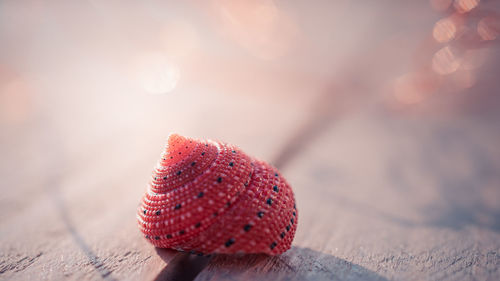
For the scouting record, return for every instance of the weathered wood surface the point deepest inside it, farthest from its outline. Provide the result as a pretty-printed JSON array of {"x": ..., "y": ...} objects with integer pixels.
[
  {"x": 378, "y": 198},
  {"x": 382, "y": 194},
  {"x": 417, "y": 202}
]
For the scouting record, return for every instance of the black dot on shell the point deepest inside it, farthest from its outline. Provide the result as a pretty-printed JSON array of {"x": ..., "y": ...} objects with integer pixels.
[
  {"x": 155, "y": 178},
  {"x": 206, "y": 144},
  {"x": 269, "y": 201},
  {"x": 292, "y": 221},
  {"x": 198, "y": 224},
  {"x": 144, "y": 211},
  {"x": 169, "y": 236},
  {"x": 275, "y": 188},
  {"x": 201, "y": 194},
  {"x": 147, "y": 236},
  {"x": 260, "y": 214},
  {"x": 288, "y": 228},
  {"x": 179, "y": 172},
  {"x": 219, "y": 179},
  {"x": 182, "y": 232},
  {"x": 229, "y": 242},
  {"x": 203, "y": 153},
  {"x": 234, "y": 151},
  {"x": 275, "y": 174},
  {"x": 228, "y": 204},
  {"x": 157, "y": 237},
  {"x": 273, "y": 245},
  {"x": 200, "y": 254},
  {"x": 231, "y": 164},
  {"x": 282, "y": 235},
  {"x": 294, "y": 214},
  {"x": 215, "y": 214},
  {"x": 178, "y": 206},
  {"x": 171, "y": 157},
  {"x": 247, "y": 227},
  {"x": 164, "y": 178},
  {"x": 158, "y": 212}
]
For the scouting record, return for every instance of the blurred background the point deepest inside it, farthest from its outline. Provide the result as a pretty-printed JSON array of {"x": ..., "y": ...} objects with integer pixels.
[{"x": 391, "y": 107}]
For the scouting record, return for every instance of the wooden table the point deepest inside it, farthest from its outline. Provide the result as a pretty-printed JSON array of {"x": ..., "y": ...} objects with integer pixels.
[{"x": 379, "y": 197}]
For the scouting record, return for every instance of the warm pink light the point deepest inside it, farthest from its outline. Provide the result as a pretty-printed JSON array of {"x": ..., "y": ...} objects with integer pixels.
[
  {"x": 413, "y": 88},
  {"x": 155, "y": 73},
  {"x": 488, "y": 28},
  {"x": 15, "y": 101},
  {"x": 180, "y": 39},
  {"x": 445, "y": 61},
  {"x": 464, "y": 6},
  {"x": 259, "y": 26},
  {"x": 473, "y": 59},
  {"x": 464, "y": 79},
  {"x": 444, "y": 30}
]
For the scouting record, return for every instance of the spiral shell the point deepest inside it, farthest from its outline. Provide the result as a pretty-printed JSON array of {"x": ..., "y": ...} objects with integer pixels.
[{"x": 210, "y": 197}]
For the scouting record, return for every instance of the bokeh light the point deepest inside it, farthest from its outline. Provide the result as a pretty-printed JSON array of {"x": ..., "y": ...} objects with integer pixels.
[
  {"x": 259, "y": 26},
  {"x": 464, "y": 6},
  {"x": 488, "y": 28},
  {"x": 445, "y": 61},
  {"x": 444, "y": 30},
  {"x": 155, "y": 73},
  {"x": 464, "y": 32}
]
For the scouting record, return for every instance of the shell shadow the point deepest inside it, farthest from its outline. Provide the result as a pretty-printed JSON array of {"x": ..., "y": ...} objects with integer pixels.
[
  {"x": 182, "y": 267},
  {"x": 296, "y": 264}
]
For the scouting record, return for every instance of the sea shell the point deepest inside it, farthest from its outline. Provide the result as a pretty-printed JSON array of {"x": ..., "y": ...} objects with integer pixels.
[{"x": 210, "y": 197}]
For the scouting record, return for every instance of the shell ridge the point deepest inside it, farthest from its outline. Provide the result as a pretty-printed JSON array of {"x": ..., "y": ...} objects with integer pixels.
[
  {"x": 187, "y": 185},
  {"x": 238, "y": 199},
  {"x": 221, "y": 148},
  {"x": 242, "y": 198},
  {"x": 238, "y": 236},
  {"x": 161, "y": 186},
  {"x": 222, "y": 210}
]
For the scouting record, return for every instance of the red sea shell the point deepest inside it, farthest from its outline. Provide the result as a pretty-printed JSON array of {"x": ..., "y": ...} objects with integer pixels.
[{"x": 210, "y": 197}]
